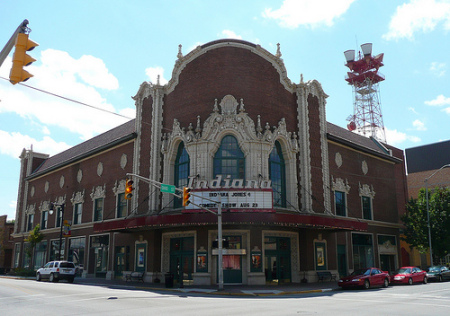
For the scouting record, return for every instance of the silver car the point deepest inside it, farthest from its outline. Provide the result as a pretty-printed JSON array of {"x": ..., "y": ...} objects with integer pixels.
[{"x": 57, "y": 270}]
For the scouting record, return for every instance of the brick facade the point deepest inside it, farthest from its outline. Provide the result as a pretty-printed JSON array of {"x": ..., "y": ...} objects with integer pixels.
[{"x": 223, "y": 88}]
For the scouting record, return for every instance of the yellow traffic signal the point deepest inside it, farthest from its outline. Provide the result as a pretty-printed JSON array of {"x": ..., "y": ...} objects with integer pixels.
[
  {"x": 129, "y": 189},
  {"x": 186, "y": 196},
  {"x": 21, "y": 59}
]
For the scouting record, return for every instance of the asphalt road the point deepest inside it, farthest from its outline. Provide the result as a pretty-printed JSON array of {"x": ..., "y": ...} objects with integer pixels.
[{"x": 28, "y": 297}]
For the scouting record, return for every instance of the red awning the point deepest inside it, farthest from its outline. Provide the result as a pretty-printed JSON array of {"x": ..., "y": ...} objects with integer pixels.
[{"x": 250, "y": 218}]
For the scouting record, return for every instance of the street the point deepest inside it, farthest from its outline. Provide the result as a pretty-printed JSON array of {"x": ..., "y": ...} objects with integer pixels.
[{"x": 28, "y": 297}]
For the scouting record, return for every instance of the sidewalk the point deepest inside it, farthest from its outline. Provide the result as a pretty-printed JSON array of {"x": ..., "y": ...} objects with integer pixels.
[{"x": 229, "y": 290}]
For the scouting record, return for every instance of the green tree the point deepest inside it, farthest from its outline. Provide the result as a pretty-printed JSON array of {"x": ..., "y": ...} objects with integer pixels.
[
  {"x": 35, "y": 237},
  {"x": 416, "y": 223}
]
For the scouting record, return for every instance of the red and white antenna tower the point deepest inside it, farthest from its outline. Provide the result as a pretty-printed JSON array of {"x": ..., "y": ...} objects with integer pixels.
[{"x": 364, "y": 77}]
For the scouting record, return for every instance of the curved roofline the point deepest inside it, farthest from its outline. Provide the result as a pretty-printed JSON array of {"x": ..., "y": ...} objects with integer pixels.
[{"x": 275, "y": 60}]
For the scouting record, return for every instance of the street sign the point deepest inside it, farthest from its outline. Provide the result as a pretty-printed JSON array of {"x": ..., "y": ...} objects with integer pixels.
[{"x": 167, "y": 188}]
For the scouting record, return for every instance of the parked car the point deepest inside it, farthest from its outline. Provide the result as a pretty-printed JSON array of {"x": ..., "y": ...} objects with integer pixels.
[
  {"x": 409, "y": 275},
  {"x": 57, "y": 270},
  {"x": 438, "y": 273},
  {"x": 365, "y": 278}
]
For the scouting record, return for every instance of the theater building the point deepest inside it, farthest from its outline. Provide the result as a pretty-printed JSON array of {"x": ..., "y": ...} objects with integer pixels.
[{"x": 298, "y": 194}]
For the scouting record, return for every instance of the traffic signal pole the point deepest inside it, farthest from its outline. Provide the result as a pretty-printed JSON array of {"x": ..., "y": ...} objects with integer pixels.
[
  {"x": 22, "y": 28},
  {"x": 219, "y": 220}
]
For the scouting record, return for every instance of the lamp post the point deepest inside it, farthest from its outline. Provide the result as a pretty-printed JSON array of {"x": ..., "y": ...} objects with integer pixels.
[
  {"x": 428, "y": 211},
  {"x": 61, "y": 207}
]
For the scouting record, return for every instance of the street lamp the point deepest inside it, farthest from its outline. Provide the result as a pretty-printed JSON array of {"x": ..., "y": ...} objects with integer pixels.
[
  {"x": 428, "y": 211},
  {"x": 61, "y": 207}
]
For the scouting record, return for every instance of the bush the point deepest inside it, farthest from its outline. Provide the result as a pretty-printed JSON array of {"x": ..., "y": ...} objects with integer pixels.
[{"x": 25, "y": 272}]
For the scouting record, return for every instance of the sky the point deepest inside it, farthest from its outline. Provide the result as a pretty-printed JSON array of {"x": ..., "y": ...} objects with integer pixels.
[{"x": 94, "y": 54}]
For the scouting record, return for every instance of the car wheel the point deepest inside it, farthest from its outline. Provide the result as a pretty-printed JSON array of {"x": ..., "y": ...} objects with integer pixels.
[
  {"x": 425, "y": 280},
  {"x": 52, "y": 278},
  {"x": 386, "y": 283},
  {"x": 410, "y": 281},
  {"x": 366, "y": 284},
  {"x": 38, "y": 277}
]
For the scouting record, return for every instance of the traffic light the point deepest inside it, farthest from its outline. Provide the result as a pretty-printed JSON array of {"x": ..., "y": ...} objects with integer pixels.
[
  {"x": 21, "y": 59},
  {"x": 186, "y": 196},
  {"x": 129, "y": 189}
]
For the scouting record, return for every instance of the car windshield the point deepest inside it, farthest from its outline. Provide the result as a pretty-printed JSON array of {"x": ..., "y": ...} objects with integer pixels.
[
  {"x": 434, "y": 269},
  {"x": 404, "y": 270},
  {"x": 361, "y": 272},
  {"x": 66, "y": 265}
]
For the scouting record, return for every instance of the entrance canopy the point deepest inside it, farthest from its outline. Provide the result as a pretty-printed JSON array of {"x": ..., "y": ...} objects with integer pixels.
[{"x": 258, "y": 219}]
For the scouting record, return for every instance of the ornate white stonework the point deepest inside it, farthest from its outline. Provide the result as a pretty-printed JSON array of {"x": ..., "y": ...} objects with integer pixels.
[
  {"x": 32, "y": 190},
  {"x": 100, "y": 169},
  {"x": 364, "y": 167},
  {"x": 229, "y": 118},
  {"x": 31, "y": 209},
  {"x": 44, "y": 206},
  {"x": 61, "y": 182},
  {"x": 79, "y": 175},
  {"x": 98, "y": 192},
  {"x": 123, "y": 161},
  {"x": 119, "y": 187},
  {"x": 46, "y": 186},
  {"x": 365, "y": 190},
  {"x": 339, "y": 185},
  {"x": 77, "y": 197},
  {"x": 338, "y": 159}
]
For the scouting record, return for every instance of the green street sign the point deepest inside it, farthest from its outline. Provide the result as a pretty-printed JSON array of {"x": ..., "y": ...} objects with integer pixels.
[{"x": 167, "y": 188}]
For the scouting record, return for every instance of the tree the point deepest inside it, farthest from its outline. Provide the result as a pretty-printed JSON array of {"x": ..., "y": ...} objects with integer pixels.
[
  {"x": 416, "y": 223},
  {"x": 35, "y": 237}
]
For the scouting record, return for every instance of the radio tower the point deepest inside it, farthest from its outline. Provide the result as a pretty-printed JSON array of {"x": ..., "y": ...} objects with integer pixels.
[{"x": 364, "y": 77}]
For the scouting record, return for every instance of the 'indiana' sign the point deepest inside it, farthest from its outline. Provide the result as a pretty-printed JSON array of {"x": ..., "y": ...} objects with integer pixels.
[{"x": 227, "y": 183}]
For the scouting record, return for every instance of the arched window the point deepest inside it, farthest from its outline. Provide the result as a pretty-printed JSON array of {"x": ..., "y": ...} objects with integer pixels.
[
  {"x": 229, "y": 159},
  {"x": 277, "y": 173},
  {"x": 181, "y": 171}
]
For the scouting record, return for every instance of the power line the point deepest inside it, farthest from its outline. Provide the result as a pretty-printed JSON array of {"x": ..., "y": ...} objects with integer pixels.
[{"x": 69, "y": 99}]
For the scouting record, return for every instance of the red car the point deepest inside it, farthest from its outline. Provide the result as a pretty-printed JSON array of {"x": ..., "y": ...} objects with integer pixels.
[
  {"x": 365, "y": 278},
  {"x": 410, "y": 275}
]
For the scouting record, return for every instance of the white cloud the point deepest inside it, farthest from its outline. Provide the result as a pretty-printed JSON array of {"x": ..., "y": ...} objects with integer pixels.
[
  {"x": 293, "y": 13},
  {"x": 394, "y": 137},
  {"x": 154, "y": 72},
  {"x": 418, "y": 16},
  {"x": 439, "y": 101},
  {"x": 12, "y": 144},
  {"x": 62, "y": 75},
  {"x": 230, "y": 34},
  {"x": 419, "y": 125},
  {"x": 438, "y": 69}
]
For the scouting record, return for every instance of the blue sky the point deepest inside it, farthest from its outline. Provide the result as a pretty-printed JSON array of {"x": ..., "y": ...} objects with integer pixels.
[{"x": 99, "y": 52}]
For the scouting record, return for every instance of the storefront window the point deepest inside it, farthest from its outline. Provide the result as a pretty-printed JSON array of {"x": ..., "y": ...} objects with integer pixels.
[
  {"x": 362, "y": 251},
  {"x": 76, "y": 251},
  {"x": 54, "y": 249},
  {"x": 16, "y": 255},
  {"x": 40, "y": 254}
]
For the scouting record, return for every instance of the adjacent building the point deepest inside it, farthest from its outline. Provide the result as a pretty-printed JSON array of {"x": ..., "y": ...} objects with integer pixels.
[
  {"x": 6, "y": 244},
  {"x": 298, "y": 194},
  {"x": 425, "y": 162}
]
